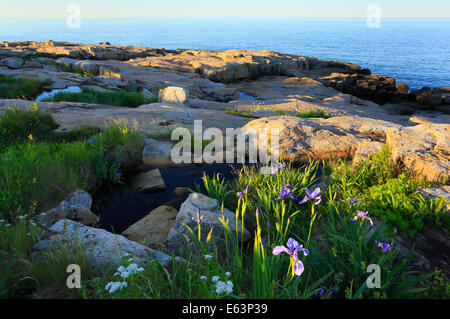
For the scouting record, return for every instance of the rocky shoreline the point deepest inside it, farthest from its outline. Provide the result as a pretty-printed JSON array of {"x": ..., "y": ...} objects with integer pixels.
[
  {"x": 220, "y": 67},
  {"x": 207, "y": 85}
]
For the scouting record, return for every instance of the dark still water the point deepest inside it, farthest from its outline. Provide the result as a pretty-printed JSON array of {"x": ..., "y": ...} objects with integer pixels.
[
  {"x": 121, "y": 207},
  {"x": 415, "y": 51}
]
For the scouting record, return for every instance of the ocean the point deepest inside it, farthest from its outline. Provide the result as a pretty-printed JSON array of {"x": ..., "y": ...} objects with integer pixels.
[{"x": 415, "y": 51}]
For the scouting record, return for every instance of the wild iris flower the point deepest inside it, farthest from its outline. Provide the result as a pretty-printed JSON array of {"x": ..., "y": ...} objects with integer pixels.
[
  {"x": 292, "y": 248},
  {"x": 199, "y": 218},
  {"x": 363, "y": 216},
  {"x": 314, "y": 196},
  {"x": 278, "y": 169},
  {"x": 352, "y": 200},
  {"x": 320, "y": 292},
  {"x": 285, "y": 192},
  {"x": 385, "y": 247},
  {"x": 263, "y": 242},
  {"x": 91, "y": 140},
  {"x": 242, "y": 194}
]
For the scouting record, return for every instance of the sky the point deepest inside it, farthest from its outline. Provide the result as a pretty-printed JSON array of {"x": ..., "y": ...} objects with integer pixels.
[{"x": 224, "y": 8}]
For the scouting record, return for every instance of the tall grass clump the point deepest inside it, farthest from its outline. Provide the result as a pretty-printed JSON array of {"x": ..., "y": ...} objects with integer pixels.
[
  {"x": 116, "y": 98},
  {"x": 21, "y": 88}
]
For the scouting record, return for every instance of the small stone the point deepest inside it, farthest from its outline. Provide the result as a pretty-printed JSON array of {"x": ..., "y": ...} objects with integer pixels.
[
  {"x": 148, "y": 182},
  {"x": 174, "y": 95}
]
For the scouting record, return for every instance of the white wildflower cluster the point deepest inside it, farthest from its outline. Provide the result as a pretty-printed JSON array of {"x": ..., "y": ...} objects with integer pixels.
[
  {"x": 113, "y": 286},
  {"x": 221, "y": 287},
  {"x": 215, "y": 278},
  {"x": 125, "y": 272},
  {"x": 224, "y": 287},
  {"x": 208, "y": 257}
]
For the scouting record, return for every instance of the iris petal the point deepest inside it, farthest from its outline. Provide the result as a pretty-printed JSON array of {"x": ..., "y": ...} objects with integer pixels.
[
  {"x": 316, "y": 192},
  {"x": 280, "y": 249},
  {"x": 298, "y": 267}
]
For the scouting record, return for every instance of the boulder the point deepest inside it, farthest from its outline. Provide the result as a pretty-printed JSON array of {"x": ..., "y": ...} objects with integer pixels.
[
  {"x": 76, "y": 207},
  {"x": 174, "y": 95},
  {"x": 157, "y": 153},
  {"x": 179, "y": 236},
  {"x": 103, "y": 250},
  {"x": 32, "y": 65},
  {"x": 149, "y": 181},
  {"x": 46, "y": 61},
  {"x": 153, "y": 229},
  {"x": 86, "y": 67},
  {"x": 423, "y": 149},
  {"x": 301, "y": 139},
  {"x": 147, "y": 94},
  {"x": 80, "y": 198},
  {"x": 12, "y": 62},
  {"x": 209, "y": 90}
]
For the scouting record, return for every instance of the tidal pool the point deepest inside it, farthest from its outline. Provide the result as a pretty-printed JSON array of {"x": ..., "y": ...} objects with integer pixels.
[{"x": 46, "y": 95}]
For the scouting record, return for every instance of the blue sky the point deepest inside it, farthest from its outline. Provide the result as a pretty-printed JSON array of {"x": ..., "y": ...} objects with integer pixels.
[{"x": 225, "y": 8}]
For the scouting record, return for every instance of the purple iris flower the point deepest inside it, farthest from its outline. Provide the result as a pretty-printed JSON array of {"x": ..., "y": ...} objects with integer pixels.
[
  {"x": 285, "y": 193},
  {"x": 385, "y": 247},
  {"x": 199, "y": 218},
  {"x": 242, "y": 194},
  {"x": 263, "y": 242},
  {"x": 320, "y": 292},
  {"x": 352, "y": 200},
  {"x": 118, "y": 175},
  {"x": 314, "y": 196},
  {"x": 90, "y": 140},
  {"x": 278, "y": 169},
  {"x": 292, "y": 249},
  {"x": 363, "y": 216}
]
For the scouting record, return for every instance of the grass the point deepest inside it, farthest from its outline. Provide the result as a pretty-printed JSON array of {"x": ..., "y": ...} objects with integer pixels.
[
  {"x": 248, "y": 114},
  {"x": 116, "y": 98},
  {"x": 313, "y": 113},
  {"x": 21, "y": 88},
  {"x": 18, "y": 126}
]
